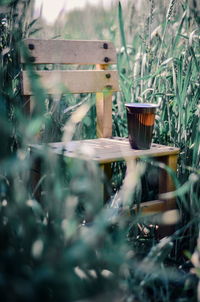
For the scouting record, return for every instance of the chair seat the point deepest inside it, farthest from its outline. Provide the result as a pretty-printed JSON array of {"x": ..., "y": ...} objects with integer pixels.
[{"x": 107, "y": 150}]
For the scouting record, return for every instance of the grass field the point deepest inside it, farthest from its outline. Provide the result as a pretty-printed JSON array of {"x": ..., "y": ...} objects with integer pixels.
[{"x": 46, "y": 251}]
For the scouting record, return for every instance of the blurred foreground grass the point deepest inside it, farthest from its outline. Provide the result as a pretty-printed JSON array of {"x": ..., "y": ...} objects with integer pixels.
[{"x": 47, "y": 251}]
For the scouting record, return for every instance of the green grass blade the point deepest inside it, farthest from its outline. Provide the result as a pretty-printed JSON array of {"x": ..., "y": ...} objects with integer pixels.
[{"x": 122, "y": 31}]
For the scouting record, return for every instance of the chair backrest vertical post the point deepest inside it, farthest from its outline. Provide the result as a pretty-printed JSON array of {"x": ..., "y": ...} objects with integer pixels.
[{"x": 104, "y": 109}]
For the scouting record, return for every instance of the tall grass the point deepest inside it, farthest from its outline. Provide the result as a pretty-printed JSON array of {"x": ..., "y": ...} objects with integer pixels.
[
  {"x": 48, "y": 250},
  {"x": 166, "y": 70}
]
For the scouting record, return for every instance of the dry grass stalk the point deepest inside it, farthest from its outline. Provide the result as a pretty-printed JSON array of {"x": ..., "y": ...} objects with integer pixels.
[{"x": 170, "y": 9}]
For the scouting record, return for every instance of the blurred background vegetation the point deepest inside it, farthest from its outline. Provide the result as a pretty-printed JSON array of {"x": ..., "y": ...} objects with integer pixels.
[{"x": 47, "y": 251}]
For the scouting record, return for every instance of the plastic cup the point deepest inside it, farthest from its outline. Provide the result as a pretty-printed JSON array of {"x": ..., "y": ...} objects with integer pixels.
[{"x": 141, "y": 117}]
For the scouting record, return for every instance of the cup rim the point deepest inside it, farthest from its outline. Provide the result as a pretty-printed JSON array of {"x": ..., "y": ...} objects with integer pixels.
[{"x": 142, "y": 105}]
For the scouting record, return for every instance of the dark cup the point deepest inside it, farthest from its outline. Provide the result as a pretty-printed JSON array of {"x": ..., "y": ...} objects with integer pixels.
[{"x": 141, "y": 117}]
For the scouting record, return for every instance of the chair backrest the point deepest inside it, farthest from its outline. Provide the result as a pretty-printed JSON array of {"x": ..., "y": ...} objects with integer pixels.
[{"x": 100, "y": 80}]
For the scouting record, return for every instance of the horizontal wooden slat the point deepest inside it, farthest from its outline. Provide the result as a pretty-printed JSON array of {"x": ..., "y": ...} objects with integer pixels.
[
  {"x": 153, "y": 206},
  {"x": 106, "y": 150},
  {"x": 71, "y": 51},
  {"x": 74, "y": 81},
  {"x": 150, "y": 207}
]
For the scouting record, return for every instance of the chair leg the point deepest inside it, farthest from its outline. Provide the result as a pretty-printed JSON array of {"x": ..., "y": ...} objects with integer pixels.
[
  {"x": 106, "y": 176},
  {"x": 166, "y": 184}
]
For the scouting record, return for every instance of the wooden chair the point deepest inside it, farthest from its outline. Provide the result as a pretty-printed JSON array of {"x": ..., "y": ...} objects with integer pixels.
[{"x": 102, "y": 81}]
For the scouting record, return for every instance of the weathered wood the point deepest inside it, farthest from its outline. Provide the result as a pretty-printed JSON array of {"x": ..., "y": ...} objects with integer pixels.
[
  {"x": 104, "y": 151},
  {"x": 104, "y": 115},
  {"x": 146, "y": 208},
  {"x": 104, "y": 108},
  {"x": 152, "y": 207},
  {"x": 102, "y": 82},
  {"x": 166, "y": 183},
  {"x": 73, "y": 81},
  {"x": 107, "y": 150},
  {"x": 71, "y": 51}
]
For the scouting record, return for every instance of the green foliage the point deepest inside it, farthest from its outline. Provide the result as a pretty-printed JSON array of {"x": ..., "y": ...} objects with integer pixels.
[{"x": 57, "y": 241}]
